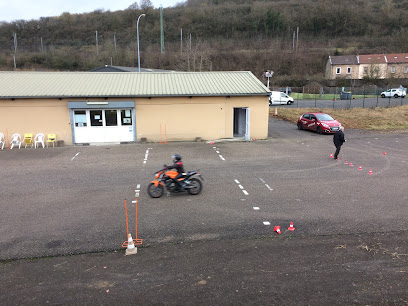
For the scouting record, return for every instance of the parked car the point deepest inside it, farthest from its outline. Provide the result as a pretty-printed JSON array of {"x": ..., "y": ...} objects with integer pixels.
[
  {"x": 286, "y": 90},
  {"x": 277, "y": 97},
  {"x": 319, "y": 122},
  {"x": 394, "y": 92}
]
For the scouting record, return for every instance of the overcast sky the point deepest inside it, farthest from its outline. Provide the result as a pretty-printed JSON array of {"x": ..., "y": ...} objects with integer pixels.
[{"x": 11, "y": 10}]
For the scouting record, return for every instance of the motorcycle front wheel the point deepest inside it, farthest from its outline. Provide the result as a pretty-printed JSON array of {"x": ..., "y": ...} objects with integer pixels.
[
  {"x": 196, "y": 186},
  {"x": 155, "y": 191}
]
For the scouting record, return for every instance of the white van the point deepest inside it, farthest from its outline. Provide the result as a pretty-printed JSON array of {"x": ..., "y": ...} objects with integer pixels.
[{"x": 277, "y": 97}]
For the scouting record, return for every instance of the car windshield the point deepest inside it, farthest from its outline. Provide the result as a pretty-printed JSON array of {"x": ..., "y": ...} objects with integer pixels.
[{"x": 324, "y": 117}]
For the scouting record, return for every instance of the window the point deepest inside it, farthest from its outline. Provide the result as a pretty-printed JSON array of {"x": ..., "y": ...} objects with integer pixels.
[
  {"x": 365, "y": 70},
  {"x": 126, "y": 116},
  {"x": 96, "y": 117},
  {"x": 393, "y": 69},
  {"x": 111, "y": 117},
  {"x": 338, "y": 70},
  {"x": 405, "y": 69},
  {"x": 80, "y": 118},
  {"x": 348, "y": 70}
]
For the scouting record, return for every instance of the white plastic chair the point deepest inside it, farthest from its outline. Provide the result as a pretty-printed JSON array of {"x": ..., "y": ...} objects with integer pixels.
[
  {"x": 15, "y": 140},
  {"x": 2, "y": 140},
  {"x": 39, "y": 139}
]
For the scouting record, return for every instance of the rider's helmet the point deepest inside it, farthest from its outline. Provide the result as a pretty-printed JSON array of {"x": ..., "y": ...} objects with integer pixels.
[{"x": 176, "y": 158}]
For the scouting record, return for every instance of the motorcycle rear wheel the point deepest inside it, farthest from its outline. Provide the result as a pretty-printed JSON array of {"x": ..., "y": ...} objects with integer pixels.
[
  {"x": 196, "y": 186},
  {"x": 155, "y": 191}
]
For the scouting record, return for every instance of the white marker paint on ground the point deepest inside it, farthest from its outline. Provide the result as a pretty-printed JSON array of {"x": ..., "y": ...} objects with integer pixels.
[
  {"x": 263, "y": 182},
  {"x": 236, "y": 181},
  {"x": 267, "y": 186},
  {"x": 267, "y": 223},
  {"x": 245, "y": 192},
  {"x": 255, "y": 208},
  {"x": 240, "y": 186},
  {"x": 218, "y": 152},
  {"x": 222, "y": 157},
  {"x": 75, "y": 156},
  {"x": 144, "y": 162}
]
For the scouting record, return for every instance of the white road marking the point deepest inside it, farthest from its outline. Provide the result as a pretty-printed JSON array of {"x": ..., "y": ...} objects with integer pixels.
[
  {"x": 222, "y": 157},
  {"x": 240, "y": 186},
  {"x": 214, "y": 148},
  {"x": 138, "y": 186},
  {"x": 255, "y": 208},
  {"x": 245, "y": 192},
  {"x": 268, "y": 187},
  {"x": 263, "y": 182},
  {"x": 75, "y": 156},
  {"x": 267, "y": 223},
  {"x": 236, "y": 181},
  {"x": 218, "y": 152}
]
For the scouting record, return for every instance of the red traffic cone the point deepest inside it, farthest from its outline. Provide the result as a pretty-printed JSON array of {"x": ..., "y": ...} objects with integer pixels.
[
  {"x": 360, "y": 168},
  {"x": 277, "y": 229},
  {"x": 345, "y": 162},
  {"x": 291, "y": 228},
  {"x": 370, "y": 172},
  {"x": 331, "y": 155},
  {"x": 276, "y": 111},
  {"x": 384, "y": 153},
  {"x": 351, "y": 164}
]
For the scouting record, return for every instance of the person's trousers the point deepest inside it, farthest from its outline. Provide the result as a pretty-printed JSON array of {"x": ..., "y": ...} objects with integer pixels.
[{"x": 337, "y": 151}]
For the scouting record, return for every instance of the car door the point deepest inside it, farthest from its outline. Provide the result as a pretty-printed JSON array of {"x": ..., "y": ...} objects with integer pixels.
[
  {"x": 305, "y": 121},
  {"x": 312, "y": 125}
]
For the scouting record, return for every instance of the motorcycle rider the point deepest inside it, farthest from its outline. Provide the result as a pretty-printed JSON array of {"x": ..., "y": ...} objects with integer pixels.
[{"x": 178, "y": 165}]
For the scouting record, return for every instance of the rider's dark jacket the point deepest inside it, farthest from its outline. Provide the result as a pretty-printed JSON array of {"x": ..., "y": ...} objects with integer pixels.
[{"x": 178, "y": 166}]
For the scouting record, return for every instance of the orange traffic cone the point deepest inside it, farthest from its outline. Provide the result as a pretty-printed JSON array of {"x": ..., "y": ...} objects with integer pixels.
[
  {"x": 370, "y": 172},
  {"x": 131, "y": 249},
  {"x": 276, "y": 111},
  {"x": 331, "y": 155},
  {"x": 277, "y": 229},
  {"x": 345, "y": 162},
  {"x": 351, "y": 164},
  {"x": 291, "y": 228},
  {"x": 360, "y": 168}
]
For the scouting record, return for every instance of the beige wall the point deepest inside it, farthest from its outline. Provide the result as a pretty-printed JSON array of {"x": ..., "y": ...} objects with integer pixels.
[
  {"x": 186, "y": 118},
  {"x": 50, "y": 116},
  {"x": 181, "y": 118}
]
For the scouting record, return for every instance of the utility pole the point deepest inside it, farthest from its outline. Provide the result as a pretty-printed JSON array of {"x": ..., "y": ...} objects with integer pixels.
[
  {"x": 96, "y": 36},
  {"x": 161, "y": 30},
  {"x": 181, "y": 41},
  {"x": 42, "y": 46},
  {"x": 114, "y": 40},
  {"x": 293, "y": 41},
  {"x": 297, "y": 39},
  {"x": 15, "y": 42}
]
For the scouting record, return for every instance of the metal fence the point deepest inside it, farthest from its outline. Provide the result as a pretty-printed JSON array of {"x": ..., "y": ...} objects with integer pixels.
[{"x": 341, "y": 97}]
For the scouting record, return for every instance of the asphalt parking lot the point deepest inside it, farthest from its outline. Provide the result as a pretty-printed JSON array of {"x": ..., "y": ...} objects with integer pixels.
[{"x": 70, "y": 200}]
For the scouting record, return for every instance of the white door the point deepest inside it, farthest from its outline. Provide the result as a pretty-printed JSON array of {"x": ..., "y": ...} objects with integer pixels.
[
  {"x": 247, "y": 125},
  {"x": 103, "y": 125}
]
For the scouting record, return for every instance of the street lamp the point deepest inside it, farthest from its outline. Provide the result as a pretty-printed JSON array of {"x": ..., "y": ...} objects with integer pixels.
[{"x": 137, "y": 28}]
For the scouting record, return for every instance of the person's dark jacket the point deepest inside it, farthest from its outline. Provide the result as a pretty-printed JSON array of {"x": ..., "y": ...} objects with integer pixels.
[
  {"x": 178, "y": 166},
  {"x": 338, "y": 138}
]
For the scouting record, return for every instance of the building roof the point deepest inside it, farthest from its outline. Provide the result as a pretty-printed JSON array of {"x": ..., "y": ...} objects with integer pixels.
[
  {"x": 108, "y": 68},
  {"x": 343, "y": 60},
  {"x": 397, "y": 58},
  {"x": 372, "y": 59},
  {"x": 128, "y": 84}
]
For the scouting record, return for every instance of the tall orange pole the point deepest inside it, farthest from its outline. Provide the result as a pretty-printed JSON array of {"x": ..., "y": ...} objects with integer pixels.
[
  {"x": 136, "y": 220},
  {"x": 127, "y": 224}
]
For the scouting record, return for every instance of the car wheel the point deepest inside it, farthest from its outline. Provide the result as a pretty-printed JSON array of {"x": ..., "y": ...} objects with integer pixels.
[
  {"x": 395, "y": 96},
  {"x": 300, "y": 127},
  {"x": 382, "y": 96},
  {"x": 402, "y": 96},
  {"x": 319, "y": 130}
]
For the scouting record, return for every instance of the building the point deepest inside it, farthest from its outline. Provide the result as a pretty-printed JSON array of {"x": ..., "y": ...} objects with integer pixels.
[
  {"x": 368, "y": 66},
  {"x": 109, "y": 107},
  {"x": 108, "y": 68}
]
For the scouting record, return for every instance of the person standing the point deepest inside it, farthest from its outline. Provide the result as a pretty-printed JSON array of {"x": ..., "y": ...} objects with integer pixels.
[{"x": 338, "y": 140}]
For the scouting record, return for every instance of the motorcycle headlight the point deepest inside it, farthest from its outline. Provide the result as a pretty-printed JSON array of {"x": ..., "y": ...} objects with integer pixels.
[{"x": 157, "y": 175}]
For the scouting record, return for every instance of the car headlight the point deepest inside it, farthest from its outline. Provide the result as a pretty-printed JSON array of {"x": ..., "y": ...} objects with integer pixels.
[{"x": 325, "y": 125}]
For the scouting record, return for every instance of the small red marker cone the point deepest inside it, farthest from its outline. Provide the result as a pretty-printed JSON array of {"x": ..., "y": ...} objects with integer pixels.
[
  {"x": 276, "y": 111},
  {"x": 384, "y": 153},
  {"x": 291, "y": 228},
  {"x": 360, "y": 168},
  {"x": 345, "y": 162},
  {"x": 370, "y": 172},
  {"x": 351, "y": 164},
  {"x": 277, "y": 229},
  {"x": 331, "y": 155}
]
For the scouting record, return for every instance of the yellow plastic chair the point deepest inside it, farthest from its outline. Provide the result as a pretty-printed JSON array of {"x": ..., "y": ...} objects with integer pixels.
[
  {"x": 51, "y": 139},
  {"x": 28, "y": 139}
]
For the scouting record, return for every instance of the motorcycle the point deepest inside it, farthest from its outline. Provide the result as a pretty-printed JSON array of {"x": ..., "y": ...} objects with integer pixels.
[{"x": 164, "y": 179}]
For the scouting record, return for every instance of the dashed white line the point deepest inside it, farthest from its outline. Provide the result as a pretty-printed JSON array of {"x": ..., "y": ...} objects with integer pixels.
[
  {"x": 263, "y": 182},
  {"x": 255, "y": 208},
  {"x": 268, "y": 187},
  {"x": 75, "y": 156},
  {"x": 236, "y": 181},
  {"x": 222, "y": 157},
  {"x": 240, "y": 186},
  {"x": 245, "y": 192},
  {"x": 267, "y": 223}
]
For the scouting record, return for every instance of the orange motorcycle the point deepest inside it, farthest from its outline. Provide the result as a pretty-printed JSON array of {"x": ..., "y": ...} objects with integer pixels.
[{"x": 192, "y": 182}]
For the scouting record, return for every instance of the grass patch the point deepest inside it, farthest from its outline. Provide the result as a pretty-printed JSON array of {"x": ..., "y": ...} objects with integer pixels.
[{"x": 376, "y": 119}]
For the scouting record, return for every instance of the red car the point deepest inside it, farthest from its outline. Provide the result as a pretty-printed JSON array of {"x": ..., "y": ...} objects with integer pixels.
[{"x": 319, "y": 122}]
